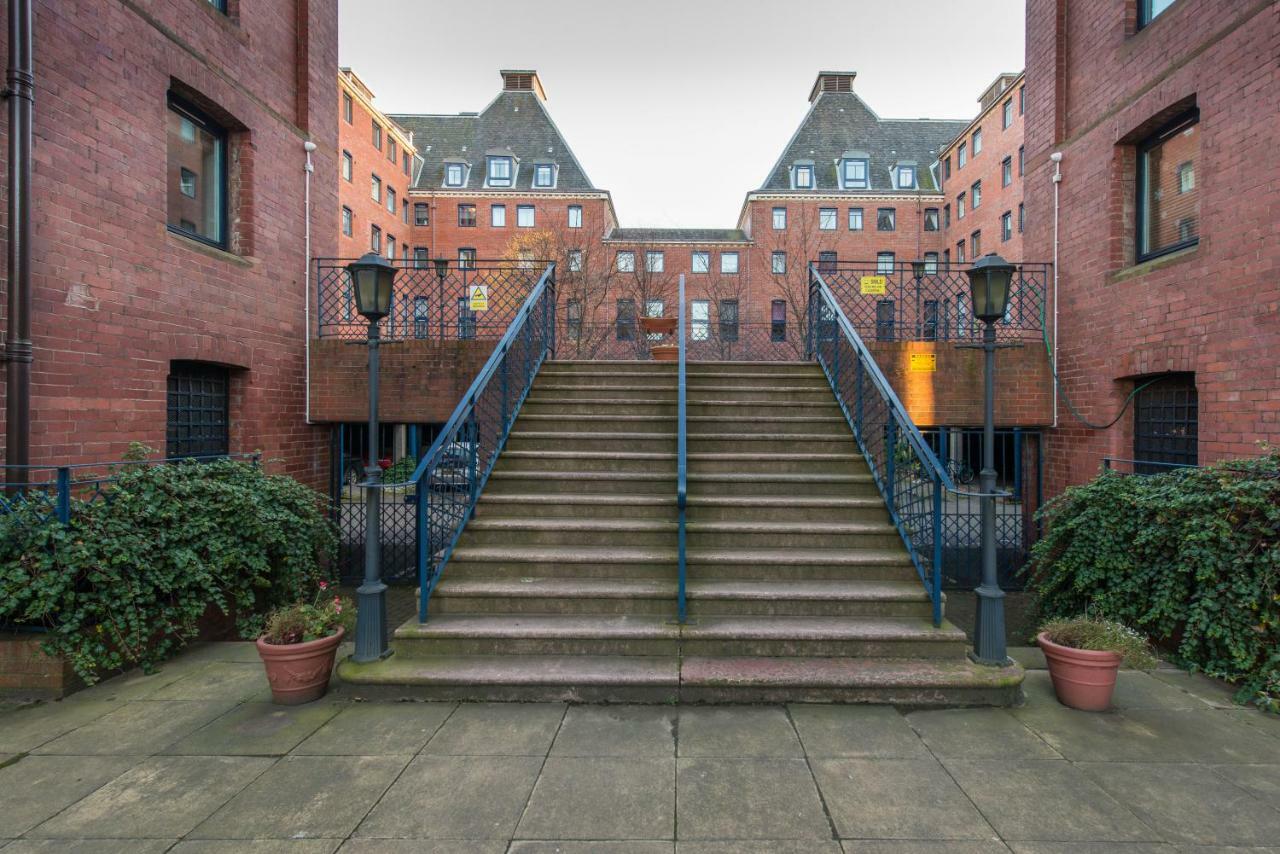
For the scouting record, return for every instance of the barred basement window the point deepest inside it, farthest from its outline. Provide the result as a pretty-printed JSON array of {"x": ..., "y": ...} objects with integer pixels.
[
  {"x": 197, "y": 410},
  {"x": 1166, "y": 424},
  {"x": 885, "y": 314}
]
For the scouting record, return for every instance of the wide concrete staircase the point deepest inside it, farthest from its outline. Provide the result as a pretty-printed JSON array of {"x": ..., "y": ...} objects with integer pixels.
[{"x": 564, "y": 584}]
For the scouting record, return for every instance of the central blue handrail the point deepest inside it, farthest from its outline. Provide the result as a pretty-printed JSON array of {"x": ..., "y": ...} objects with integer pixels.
[{"x": 682, "y": 461}]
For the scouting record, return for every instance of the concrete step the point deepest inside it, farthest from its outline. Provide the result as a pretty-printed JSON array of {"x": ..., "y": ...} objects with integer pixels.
[
  {"x": 583, "y": 378},
  {"x": 772, "y": 508},
  {"x": 807, "y": 636},
  {"x": 582, "y": 531},
  {"x": 891, "y": 564},
  {"x": 782, "y": 535},
  {"x": 559, "y": 422},
  {"x": 770, "y": 368},
  {"x": 608, "y": 367},
  {"x": 745, "y": 422},
  {"x": 596, "y": 506},
  {"x": 756, "y": 379},
  {"x": 551, "y": 482},
  {"x": 468, "y": 634},
  {"x": 731, "y": 410},
  {"x": 808, "y": 598},
  {"x": 596, "y": 461},
  {"x": 540, "y": 440},
  {"x": 611, "y": 407},
  {"x": 795, "y": 461},
  {"x": 541, "y": 595},
  {"x": 783, "y": 484},
  {"x": 764, "y": 393},
  {"x": 563, "y": 562},
  {"x": 613, "y": 391},
  {"x": 772, "y": 443}
]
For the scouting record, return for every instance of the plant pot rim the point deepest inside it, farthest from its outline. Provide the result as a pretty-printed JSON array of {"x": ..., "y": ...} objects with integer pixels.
[
  {"x": 1093, "y": 656},
  {"x": 306, "y": 646}
]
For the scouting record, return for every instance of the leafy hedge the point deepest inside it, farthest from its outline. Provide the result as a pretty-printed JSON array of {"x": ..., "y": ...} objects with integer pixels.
[
  {"x": 1191, "y": 558},
  {"x": 128, "y": 580}
]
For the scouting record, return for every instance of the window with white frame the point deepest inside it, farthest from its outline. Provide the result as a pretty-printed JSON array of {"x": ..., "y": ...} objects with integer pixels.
[
  {"x": 700, "y": 320},
  {"x": 700, "y": 262},
  {"x": 827, "y": 219},
  {"x": 500, "y": 171},
  {"x": 855, "y": 219},
  {"x": 455, "y": 174},
  {"x": 906, "y": 177},
  {"x": 729, "y": 263},
  {"x": 524, "y": 216},
  {"x": 575, "y": 216},
  {"x": 544, "y": 176},
  {"x": 498, "y": 216},
  {"x": 930, "y": 263},
  {"x": 779, "y": 263},
  {"x": 626, "y": 261},
  {"x": 779, "y": 219},
  {"x": 654, "y": 262},
  {"x": 802, "y": 176},
  {"x": 853, "y": 173}
]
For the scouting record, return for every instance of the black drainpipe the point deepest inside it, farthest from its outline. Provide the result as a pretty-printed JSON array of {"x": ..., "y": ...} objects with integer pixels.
[{"x": 20, "y": 92}]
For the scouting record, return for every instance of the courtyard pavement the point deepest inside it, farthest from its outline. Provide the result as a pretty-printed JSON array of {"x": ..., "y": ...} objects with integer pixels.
[{"x": 195, "y": 759}]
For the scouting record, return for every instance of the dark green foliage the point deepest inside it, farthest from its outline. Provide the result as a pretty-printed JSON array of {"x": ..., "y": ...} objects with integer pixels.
[
  {"x": 400, "y": 471},
  {"x": 1190, "y": 558},
  {"x": 126, "y": 582}
]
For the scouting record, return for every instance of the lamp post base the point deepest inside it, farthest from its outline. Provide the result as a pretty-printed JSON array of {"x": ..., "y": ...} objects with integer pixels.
[
  {"x": 371, "y": 623},
  {"x": 988, "y": 632}
]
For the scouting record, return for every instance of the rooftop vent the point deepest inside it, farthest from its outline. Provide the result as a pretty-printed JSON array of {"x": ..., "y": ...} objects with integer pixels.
[
  {"x": 522, "y": 80},
  {"x": 832, "y": 81}
]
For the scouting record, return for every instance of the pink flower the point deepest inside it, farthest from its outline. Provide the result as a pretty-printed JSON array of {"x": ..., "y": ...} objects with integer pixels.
[
  {"x": 337, "y": 600},
  {"x": 324, "y": 585}
]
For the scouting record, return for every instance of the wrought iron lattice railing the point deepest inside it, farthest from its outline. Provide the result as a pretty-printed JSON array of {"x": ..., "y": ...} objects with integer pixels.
[
  {"x": 705, "y": 341},
  {"x": 900, "y": 302}
]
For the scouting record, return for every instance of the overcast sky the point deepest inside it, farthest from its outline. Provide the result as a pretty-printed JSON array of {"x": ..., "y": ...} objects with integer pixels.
[{"x": 679, "y": 107}]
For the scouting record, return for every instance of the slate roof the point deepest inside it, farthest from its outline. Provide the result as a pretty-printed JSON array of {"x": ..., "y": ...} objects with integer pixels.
[
  {"x": 515, "y": 120},
  {"x": 678, "y": 235},
  {"x": 838, "y": 122}
]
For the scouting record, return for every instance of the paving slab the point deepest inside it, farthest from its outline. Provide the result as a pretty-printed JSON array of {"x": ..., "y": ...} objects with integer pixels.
[
  {"x": 498, "y": 729},
  {"x": 229, "y": 682},
  {"x": 141, "y": 727},
  {"x": 883, "y": 798},
  {"x": 623, "y": 731},
  {"x": 1188, "y": 804},
  {"x": 726, "y": 799},
  {"x": 241, "y": 651},
  {"x": 39, "y": 787},
  {"x": 737, "y": 731},
  {"x": 88, "y": 846},
  {"x": 978, "y": 734},
  {"x": 131, "y": 685},
  {"x": 455, "y": 797},
  {"x": 922, "y": 846},
  {"x": 163, "y": 797},
  {"x": 1093, "y": 848},
  {"x": 1046, "y": 800},
  {"x": 256, "y": 846},
  {"x": 1030, "y": 657},
  {"x": 602, "y": 798},
  {"x": 305, "y": 797},
  {"x": 423, "y": 846},
  {"x": 256, "y": 729},
  {"x": 27, "y": 728},
  {"x": 1215, "y": 692},
  {"x": 373, "y": 729},
  {"x": 1262, "y": 780},
  {"x": 772, "y": 846},
  {"x": 1134, "y": 690},
  {"x": 856, "y": 731},
  {"x": 595, "y": 847}
]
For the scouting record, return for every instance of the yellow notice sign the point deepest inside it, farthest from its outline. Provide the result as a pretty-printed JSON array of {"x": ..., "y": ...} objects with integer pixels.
[
  {"x": 873, "y": 284},
  {"x": 924, "y": 362},
  {"x": 479, "y": 297}
]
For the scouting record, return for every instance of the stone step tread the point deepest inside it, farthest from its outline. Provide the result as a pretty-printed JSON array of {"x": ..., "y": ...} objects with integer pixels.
[
  {"x": 707, "y": 590},
  {"x": 538, "y": 474},
  {"x": 771, "y": 437},
  {"x": 820, "y": 628},
  {"x": 541, "y": 626},
  {"x": 828, "y": 557},
  {"x": 555, "y": 588},
  {"x": 794, "y": 501},
  {"x": 606, "y": 498},
  {"x": 546, "y": 386},
  {"x": 777, "y": 477},
  {"x": 519, "y": 670},
  {"x": 525, "y": 523},
  {"x": 548, "y": 400},
  {"x": 767, "y": 419},
  {"x": 563, "y": 554},
  {"x": 794, "y": 672},
  {"x": 575, "y": 435},
  {"x": 670, "y": 455},
  {"x": 536, "y": 416}
]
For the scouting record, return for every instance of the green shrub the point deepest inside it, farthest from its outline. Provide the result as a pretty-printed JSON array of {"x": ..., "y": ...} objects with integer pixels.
[
  {"x": 1189, "y": 558},
  {"x": 400, "y": 471},
  {"x": 1102, "y": 635},
  {"x": 126, "y": 582}
]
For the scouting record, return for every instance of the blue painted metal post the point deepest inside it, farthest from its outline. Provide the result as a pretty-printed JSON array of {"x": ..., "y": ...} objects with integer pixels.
[
  {"x": 504, "y": 387},
  {"x": 935, "y": 590},
  {"x": 1017, "y": 461},
  {"x": 857, "y": 400},
  {"x": 890, "y": 462},
  {"x": 682, "y": 461},
  {"x": 64, "y": 495},
  {"x": 473, "y": 435},
  {"x": 415, "y": 445},
  {"x": 422, "y": 517}
]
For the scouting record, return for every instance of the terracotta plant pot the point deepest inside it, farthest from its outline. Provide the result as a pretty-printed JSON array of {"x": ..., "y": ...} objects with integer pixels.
[
  {"x": 660, "y": 325},
  {"x": 1082, "y": 678},
  {"x": 664, "y": 352},
  {"x": 299, "y": 672}
]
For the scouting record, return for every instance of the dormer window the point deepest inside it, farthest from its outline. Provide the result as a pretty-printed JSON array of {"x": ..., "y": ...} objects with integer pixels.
[
  {"x": 905, "y": 177},
  {"x": 544, "y": 176},
  {"x": 499, "y": 172},
  {"x": 853, "y": 173},
  {"x": 455, "y": 174},
  {"x": 802, "y": 176}
]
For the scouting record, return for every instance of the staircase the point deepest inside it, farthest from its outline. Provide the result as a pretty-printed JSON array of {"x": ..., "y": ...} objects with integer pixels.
[{"x": 564, "y": 584}]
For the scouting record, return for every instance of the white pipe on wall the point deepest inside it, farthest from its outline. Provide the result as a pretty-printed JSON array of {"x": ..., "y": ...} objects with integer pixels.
[
  {"x": 307, "y": 169},
  {"x": 1056, "y": 157}
]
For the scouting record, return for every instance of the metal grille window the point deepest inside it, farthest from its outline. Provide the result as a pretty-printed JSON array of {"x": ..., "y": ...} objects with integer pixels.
[
  {"x": 884, "y": 320},
  {"x": 929, "y": 324},
  {"x": 728, "y": 320},
  {"x": 197, "y": 403},
  {"x": 1166, "y": 424}
]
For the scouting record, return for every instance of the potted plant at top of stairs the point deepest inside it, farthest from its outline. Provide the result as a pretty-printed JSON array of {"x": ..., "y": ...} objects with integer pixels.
[
  {"x": 663, "y": 326},
  {"x": 299, "y": 646},
  {"x": 1084, "y": 654}
]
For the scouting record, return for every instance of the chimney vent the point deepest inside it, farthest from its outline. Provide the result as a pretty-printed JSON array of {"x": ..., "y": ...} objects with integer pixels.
[
  {"x": 522, "y": 80},
  {"x": 832, "y": 81}
]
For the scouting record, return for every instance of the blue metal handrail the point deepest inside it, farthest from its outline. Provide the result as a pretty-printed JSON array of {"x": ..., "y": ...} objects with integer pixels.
[
  {"x": 909, "y": 476},
  {"x": 682, "y": 462},
  {"x": 451, "y": 475}
]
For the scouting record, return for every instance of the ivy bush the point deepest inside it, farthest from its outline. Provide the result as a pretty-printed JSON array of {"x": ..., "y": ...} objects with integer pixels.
[
  {"x": 1190, "y": 558},
  {"x": 126, "y": 582}
]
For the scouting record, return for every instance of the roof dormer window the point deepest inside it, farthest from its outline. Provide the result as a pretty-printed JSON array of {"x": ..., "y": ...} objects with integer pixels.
[
  {"x": 500, "y": 172},
  {"x": 544, "y": 176},
  {"x": 853, "y": 173},
  {"x": 905, "y": 176},
  {"x": 455, "y": 174},
  {"x": 802, "y": 176}
]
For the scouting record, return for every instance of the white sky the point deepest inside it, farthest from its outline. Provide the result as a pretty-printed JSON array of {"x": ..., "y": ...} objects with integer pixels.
[{"x": 679, "y": 107}]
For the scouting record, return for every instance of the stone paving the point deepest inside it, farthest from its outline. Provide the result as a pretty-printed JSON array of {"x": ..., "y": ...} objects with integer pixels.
[{"x": 196, "y": 759}]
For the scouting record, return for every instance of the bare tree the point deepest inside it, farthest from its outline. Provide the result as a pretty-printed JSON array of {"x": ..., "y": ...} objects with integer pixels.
[{"x": 802, "y": 242}]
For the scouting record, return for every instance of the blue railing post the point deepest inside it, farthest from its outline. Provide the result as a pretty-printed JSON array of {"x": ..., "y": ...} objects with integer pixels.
[
  {"x": 682, "y": 464},
  {"x": 473, "y": 435},
  {"x": 857, "y": 399},
  {"x": 422, "y": 518},
  {"x": 935, "y": 590},
  {"x": 64, "y": 495},
  {"x": 1017, "y": 461},
  {"x": 504, "y": 388},
  {"x": 890, "y": 461}
]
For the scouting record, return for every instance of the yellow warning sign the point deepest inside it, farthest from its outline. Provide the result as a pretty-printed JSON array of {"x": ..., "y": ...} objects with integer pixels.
[
  {"x": 924, "y": 362},
  {"x": 479, "y": 297},
  {"x": 872, "y": 284}
]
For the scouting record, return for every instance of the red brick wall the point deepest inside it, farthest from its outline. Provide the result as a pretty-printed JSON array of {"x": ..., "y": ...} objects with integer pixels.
[
  {"x": 1095, "y": 86},
  {"x": 551, "y": 215},
  {"x": 356, "y": 194},
  {"x": 116, "y": 295}
]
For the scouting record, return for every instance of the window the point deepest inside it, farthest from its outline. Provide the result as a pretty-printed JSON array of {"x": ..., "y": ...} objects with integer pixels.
[
  {"x": 421, "y": 213},
  {"x": 573, "y": 318},
  {"x": 377, "y": 136},
  {"x": 654, "y": 308},
  {"x": 391, "y": 247},
  {"x": 975, "y": 195},
  {"x": 499, "y": 172},
  {"x": 729, "y": 263},
  {"x": 929, "y": 323},
  {"x": 654, "y": 262},
  {"x": 946, "y": 167},
  {"x": 1166, "y": 424},
  {"x": 886, "y": 219},
  {"x": 827, "y": 219},
  {"x": 626, "y": 261},
  {"x": 498, "y": 216},
  {"x": 778, "y": 320},
  {"x": 960, "y": 206},
  {"x": 421, "y": 316},
  {"x": 885, "y": 316},
  {"x": 1006, "y": 226},
  {"x": 544, "y": 175},
  {"x": 1020, "y": 161},
  {"x": 455, "y": 174},
  {"x": 391, "y": 149},
  {"x": 625, "y": 321},
  {"x": 375, "y": 188},
  {"x": 1149, "y": 10},
  {"x": 466, "y": 258},
  {"x": 700, "y": 320},
  {"x": 404, "y": 211},
  {"x": 1008, "y": 113},
  {"x": 802, "y": 177},
  {"x": 960, "y": 252},
  {"x": 466, "y": 216},
  {"x": 906, "y": 177},
  {"x": 962, "y": 155},
  {"x": 1022, "y": 98},
  {"x": 1006, "y": 172},
  {"x": 853, "y": 174},
  {"x": 728, "y": 320},
  {"x": 391, "y": 199},
  {"x": 524, "y": 216},
  {"x": 827, "y": 262},
  {"x": 946, "y": 216},
  {"x": 1021, "y": 217},
  {"x": 946, "y": 259},
  {"x": 575, "y": 216},
  {"x": 930, "y": 263},
  {"x": 375, "y": 239},
  {"x": 779, "y": 263},
  {"x": 348, "y": 166},
  {"x": 1168, "y": 198},
  {"x": 885, "y": 263},
  {"x": 779, "y": 219},
  {"x": 930, "y": 219},
  {"x": 197, "y": 410},
  {"x": 421, "y": 255},
  {"x": 347, "y": 113},
  {"x": 975, "y": 245},
  {"x": 404, "y": 159},
  {"x": 977, "y": 142},
  {"x": 347, "y": 220},
  {"x": 466, "y": 319},
  {"x": 574, "y": 257},
  {"x": 197, "y": 158},
  {"x": 700, "y": 262},
  {"x": 855, "y": 219}
]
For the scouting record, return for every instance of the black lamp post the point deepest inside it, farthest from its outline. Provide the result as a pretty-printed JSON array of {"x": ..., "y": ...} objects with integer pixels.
[
  {"x": 442, "y": 272},
  {"x": 917, "y": 273},
  {"x": 989, "y": 281},
  {"x": 372, "y": 277}
]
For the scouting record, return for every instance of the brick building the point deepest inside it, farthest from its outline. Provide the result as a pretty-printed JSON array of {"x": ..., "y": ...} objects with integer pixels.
[
  {"x": 1164, "y": 114},
  {"x": 169, "y": 249}
]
